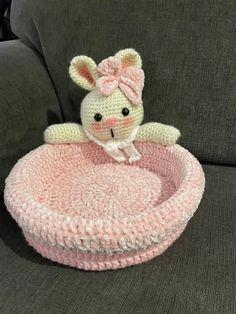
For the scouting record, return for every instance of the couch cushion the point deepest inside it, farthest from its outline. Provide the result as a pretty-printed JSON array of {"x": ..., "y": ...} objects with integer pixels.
[
  {"x": 188, "y": 50},
  {"x": 195, "y": 275},
  {"x": 28, "y": 103}
]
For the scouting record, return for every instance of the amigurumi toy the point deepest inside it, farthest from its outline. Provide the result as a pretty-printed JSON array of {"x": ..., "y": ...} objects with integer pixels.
[{"x": 112, "y": 112}]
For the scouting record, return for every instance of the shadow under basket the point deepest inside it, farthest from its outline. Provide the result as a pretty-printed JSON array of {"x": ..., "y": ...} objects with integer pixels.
[{"x": 79, "y": 207}]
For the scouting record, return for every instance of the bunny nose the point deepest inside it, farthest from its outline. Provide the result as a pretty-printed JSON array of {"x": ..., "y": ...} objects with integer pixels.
[{"x": 111, "y": 122}]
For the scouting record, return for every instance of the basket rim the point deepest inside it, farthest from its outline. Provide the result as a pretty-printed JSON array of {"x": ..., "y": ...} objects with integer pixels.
[{"x": 132, "y": 232}]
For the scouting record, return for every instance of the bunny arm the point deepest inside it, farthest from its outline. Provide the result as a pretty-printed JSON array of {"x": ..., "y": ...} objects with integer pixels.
[
  {"x": 64, "y": 133},
  {"x": 157, "y": 132}
]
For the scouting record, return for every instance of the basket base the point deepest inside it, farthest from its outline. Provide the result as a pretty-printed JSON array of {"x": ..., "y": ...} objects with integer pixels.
[{"x": 98, "y": 261}]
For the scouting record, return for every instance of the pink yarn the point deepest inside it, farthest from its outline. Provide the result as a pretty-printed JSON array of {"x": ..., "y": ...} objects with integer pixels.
[
  {"x": 89, "y": 261},
  {"x": 80, "y": 208},
  {"x": 130, "y": 79}
]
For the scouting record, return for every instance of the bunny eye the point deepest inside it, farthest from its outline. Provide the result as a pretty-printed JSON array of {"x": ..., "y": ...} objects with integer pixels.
[
  {"x": 98, "y": 117},
  {"x": 125, "y": 112}
]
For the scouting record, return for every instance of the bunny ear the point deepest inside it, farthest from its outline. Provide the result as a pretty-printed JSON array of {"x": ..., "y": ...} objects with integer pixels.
[
  {"x": 83, "y": 71},
  {"x": 129, "y": 57}
]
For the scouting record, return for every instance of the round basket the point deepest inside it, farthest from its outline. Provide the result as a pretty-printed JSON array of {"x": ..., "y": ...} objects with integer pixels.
[{"x": 78, "y": 207}]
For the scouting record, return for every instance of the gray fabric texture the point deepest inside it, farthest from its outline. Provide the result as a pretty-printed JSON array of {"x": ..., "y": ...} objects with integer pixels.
[
  {"x": 195, "y": 275},
  {"x": 28, "y": 103},
  {"x": 188, "y": 50}
]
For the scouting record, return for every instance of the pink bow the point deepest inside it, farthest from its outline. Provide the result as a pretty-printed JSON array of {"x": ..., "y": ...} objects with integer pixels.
[{"x": 129, "y": 79}]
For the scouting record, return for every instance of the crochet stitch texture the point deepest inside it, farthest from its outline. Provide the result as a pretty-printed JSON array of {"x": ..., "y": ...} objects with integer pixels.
[
  {"x": 80, "y": 202},
  {"x": 113, "y": 108},
  {"x": 77, "y": 206}
]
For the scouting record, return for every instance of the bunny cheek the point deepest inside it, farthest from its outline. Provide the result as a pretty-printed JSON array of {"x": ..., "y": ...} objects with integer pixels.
[
  {"x": 128, "y": 121},
  {"x": 96, "y": 126}
]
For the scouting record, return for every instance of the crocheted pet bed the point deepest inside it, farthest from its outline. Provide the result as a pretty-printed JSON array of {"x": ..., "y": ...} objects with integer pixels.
[
  {"x": 111, "y": 192},
  {"x": 76, "y": 205}
]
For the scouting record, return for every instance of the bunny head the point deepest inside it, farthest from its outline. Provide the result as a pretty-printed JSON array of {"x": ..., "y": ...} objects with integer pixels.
[{"x": 113, "y": 107}]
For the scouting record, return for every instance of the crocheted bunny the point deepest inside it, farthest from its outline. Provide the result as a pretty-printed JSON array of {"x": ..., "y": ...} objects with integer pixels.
[{"x": 112, "y": 111}]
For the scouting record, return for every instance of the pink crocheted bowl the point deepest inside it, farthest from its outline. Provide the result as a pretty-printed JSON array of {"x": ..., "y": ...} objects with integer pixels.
[{"x": 78, "y": 207}]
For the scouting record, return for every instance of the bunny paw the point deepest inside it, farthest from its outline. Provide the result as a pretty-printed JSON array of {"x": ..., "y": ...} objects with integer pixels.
[{"x": 172, "y": 135}]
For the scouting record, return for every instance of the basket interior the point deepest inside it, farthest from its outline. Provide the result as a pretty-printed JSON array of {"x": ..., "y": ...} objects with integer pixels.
[{"x": 82, "y": 180}]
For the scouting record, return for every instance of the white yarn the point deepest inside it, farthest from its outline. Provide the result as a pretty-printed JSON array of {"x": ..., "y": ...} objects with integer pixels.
[{"x": 113, "y": 146}]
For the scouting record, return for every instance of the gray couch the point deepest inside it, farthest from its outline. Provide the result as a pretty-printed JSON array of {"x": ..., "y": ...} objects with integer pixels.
[{"x": 188, "y": 51}]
